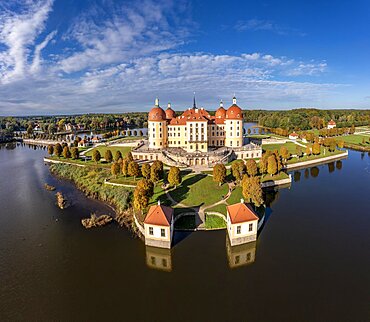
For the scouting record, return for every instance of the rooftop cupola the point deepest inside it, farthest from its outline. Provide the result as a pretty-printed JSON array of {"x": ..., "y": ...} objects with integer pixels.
[
  {"x": 156, "y": 102},
  {"x": 234, "y": 100},
  {"x": 221, "y": 104}
]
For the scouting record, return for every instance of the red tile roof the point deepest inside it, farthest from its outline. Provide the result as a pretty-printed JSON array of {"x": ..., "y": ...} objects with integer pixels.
[
  {"x": 331, "y": 122},
  {"x": 241, "y": 212},
  {"x": 159, "y": 215}
]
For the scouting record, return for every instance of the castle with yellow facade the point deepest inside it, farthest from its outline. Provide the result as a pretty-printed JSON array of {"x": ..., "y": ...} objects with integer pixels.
[{"x": 196, "y": 137}]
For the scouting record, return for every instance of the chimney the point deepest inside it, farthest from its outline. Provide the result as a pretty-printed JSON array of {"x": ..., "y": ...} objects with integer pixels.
[
  {"x": 159, "y": 202},
  {"x": 241, "y": 200}
]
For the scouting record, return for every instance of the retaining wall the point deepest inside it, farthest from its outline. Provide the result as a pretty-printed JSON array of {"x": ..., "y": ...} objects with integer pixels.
[{"x": 317, "y": 161}]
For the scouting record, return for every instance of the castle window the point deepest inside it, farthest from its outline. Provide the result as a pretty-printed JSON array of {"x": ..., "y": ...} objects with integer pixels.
[
  {"x": 160, "y": 143},
  {"x": 213, "y": 142},
  {"x": 191, "y": 147},
  {"x": 231, "y": 143},
  {"x": 237, "y": 133},
  {"x": 160, "y": 135},
  {"x": 153, "y": 136},
  {"x": 237, "y": 143},
  {"x": 153, "y": 143},
  {"x": 186, "y": 142},
  {"x": 151, "y": 231},
  {"x": 178, "y": 134},
  {"x": 231, "y": 133},
  {"x": 213, "y": 133},
  {"x": 160, "y": 129},
  {"x": 231, "y": 122},
  {"x": 178, "y": 142},
  {"x": 216, "y": 133},
  {"x": 160, "y": 124}
]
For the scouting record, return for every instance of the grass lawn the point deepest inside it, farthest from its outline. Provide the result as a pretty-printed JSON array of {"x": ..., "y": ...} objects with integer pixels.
[
  {"x": 102, "y": 148},
  {"x": 186, "y": 222},
  {"x": 219, "y": 208},
  {"x": 125, "y": 180},
  {"x": 355, "y": 139},
  {"x": 213, "y": 221},
  {"x": 279, "y": 176},
  {"x": 258, "y": 136},
  {"x": 178, "y": 211},
  {"x": 289, "y": 145},
  {"x": 313, "y": 157},
  {"x": 235, "y": 196},
  {"x": 199, "y": 189},
  {"x": 79, "y": 161}
]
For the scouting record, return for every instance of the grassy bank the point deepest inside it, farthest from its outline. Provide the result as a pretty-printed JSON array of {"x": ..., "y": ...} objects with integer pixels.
[{"x": 91, "y": 182}]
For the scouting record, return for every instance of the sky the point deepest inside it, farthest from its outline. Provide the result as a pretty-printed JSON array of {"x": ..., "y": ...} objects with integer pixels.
[{"x": 105, "y": 56}]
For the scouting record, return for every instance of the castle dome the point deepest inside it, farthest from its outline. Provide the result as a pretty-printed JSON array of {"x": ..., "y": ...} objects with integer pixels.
[
  {"x": 170, "y": 113},
  {"x": 157, "y": 113},
  {"x": 221, "y": 112},
  {"x": 234, "y": 111}
]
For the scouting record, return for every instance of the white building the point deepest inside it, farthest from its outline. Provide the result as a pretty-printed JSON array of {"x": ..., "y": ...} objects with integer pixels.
[
  {"x": 331, "y": 124},
  {"x": 158, "y": 226},
  {"x": 293, "y": 136},
  {"x": 242, "y": 223}
]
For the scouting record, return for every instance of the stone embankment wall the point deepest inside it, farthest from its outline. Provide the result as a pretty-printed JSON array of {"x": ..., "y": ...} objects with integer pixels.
[
  {"x": 40, "y": 142},
  {"x": 273, "y": 183},
  {"x": 317, "y": 161},
  {"x": 64, "y": 162}
]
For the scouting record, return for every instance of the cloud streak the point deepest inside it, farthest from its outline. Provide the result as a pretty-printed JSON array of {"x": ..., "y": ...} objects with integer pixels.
[{"x": 266, "y": 25}]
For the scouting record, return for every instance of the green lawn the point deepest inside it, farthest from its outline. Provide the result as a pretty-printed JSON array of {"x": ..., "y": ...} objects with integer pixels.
[
  {"x": 199, "y": 189},
  {"x": 186, "y": 222},
  {"x": 125, "y": 180},
  {"x": 235, "y": 196},
  {"x": 289, "y": 145},
  {"x": 213, "y": 221},
  {"x": 79, "y": 161},
  {"x": 313, "y": 157},
  {"x": 355, "y": 139},
  {"x": 102, "y": 148},
  {"x": 279, "y": 176},
  {"x": 219, "y": 208}
]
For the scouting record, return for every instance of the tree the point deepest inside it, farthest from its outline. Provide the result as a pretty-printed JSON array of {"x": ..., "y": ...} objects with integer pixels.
[
  {"x": 58, "y": 150},
  {"x": 316, "y": 148},
  {"x": 249, "y": 131},
  {"x": 252, "y": 191},
  {"x": 238, "y": 170},
  {"x": 174, "y": 176},
  {"x": 147, "y": 186},
  {"x": 156, "y": 171},
  {"x": 263, "y": 163},
  {"x": 219, "y": 173},
  {"x": 252, "y": 168},
  {"x": 115, "y": 169},
  {"x": 30, "y": 129},
  {"x": 271, "y": 165},
  {"x": 108, "y": 156},
  {"x": 141, "y": 199},
  {"x": 332, "y": 145},
  {"x": 124, "y": 167},
  {"x": 130, "y": 157},
  {"x": 75, "y": 153},
  {"x": 117, "y": 155},
  {"x": 51, "y": 149},
  {"x": 133, "y": 169},
  {"x": 145, "y": 170},
  {"x": 96, "y": 156},
  {"x": 340, "y": 144},
  {"x": 66, "y": 152},
  {"x": 285, "y": 154},
  {"x": 308, "y": 150},
  {"x": 299, "y": 151}
]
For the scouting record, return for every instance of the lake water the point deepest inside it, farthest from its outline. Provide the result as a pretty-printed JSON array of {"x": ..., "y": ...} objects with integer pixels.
[{"x": 311, "y": 261}]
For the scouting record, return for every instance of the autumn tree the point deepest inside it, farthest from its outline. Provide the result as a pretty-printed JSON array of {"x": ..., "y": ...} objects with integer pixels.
[
  {"x": 316, "y": 148},
  {"x": 51, "y": 149},
  {"x": 271, "y": 165},
  {"x": 308, "y": 150},
  {"x": 252, "y": 191},
  {"x": 96, "y": 156},
  {"x": 117, "y": 155},
  {"x": 341, "y": 144},
  {"x": 145, "y": 170},
  {"x": 108, "y": 156},
  {"x": 263, "y": 163},
  {"x": 75, "y": 153},
  {"x": 141, "y": 199},
  {"x": 133, "y": 169},
  {"x": 156, "y": 171},
  {"x": 130, "y": 157},
  {"x": 252, "y": 169},
  {"x": 147, "y": 186},
  {"x": 285, "y": 154},
  {"x": 66, "y": 152},
  {"x": 299, "y": 151},
  {"x": 115, "y": 169},
  {"x": 238, "y": 169},
  {"x": 174, "y": 176},
  {"x": 124, "y": 167},
  {"x": 332, "y": 145},
  {"x": 58, "y": 150},
  {"x": 219, "y": 173}
]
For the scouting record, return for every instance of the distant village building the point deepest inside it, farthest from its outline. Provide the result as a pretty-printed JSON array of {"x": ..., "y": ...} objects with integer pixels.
[
  {"x": 293, "y": 136},
  {"x": 331, "y": 124},
  {"x": 84, "y": 143},
  {"x": 242, "y": 223},
  {"x": 95, "y": 139},
  {"x": 159, "y": 226},
  {"x": 196, "y": 137}
]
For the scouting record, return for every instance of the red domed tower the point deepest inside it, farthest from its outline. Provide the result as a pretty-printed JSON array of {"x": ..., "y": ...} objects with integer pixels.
[
  {"x": 170, "y": 113},
  {"x": 234, "y": 126},
  {"x": 157, "y": 127},
  {"x": 221, "y": 112}
]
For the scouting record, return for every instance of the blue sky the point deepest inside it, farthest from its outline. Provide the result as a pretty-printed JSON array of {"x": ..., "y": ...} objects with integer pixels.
[{"x": 65, "y": 56}]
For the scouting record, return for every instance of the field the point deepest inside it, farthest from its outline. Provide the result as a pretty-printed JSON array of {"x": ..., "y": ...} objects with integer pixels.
[
  {"x": 289, "y": 145},
  {"x": 213, "y": 222}
]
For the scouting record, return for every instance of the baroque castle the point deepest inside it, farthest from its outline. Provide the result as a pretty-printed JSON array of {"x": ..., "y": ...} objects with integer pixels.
[{"x": 196, "y": 137}]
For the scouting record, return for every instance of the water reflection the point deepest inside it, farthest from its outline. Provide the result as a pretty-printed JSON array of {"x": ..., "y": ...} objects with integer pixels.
[
  {"x": 339, "y": 165},
  {"x": 331, "y": 167},
  {"x": 240, "y": 255},
  {"x": 297, "y": 176},
  {"x": 159, "y": 258}
]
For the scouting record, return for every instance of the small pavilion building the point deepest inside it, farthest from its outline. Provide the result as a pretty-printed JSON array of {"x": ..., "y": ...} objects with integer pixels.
[
  {"x": 331, "y": 124},
  {"x": 293, "y": 136},
  {"x": 242, "y": 223},
  {"x": 158, "y": 226}
]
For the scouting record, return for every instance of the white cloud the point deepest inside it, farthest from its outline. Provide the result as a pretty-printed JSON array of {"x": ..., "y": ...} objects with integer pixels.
[
  {"x": 18, "y": 33},
  {"x": 266, "y": 25}
]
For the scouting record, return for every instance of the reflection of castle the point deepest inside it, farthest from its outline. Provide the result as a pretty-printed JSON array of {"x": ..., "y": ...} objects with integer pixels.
[
  {"x": 159, "y": 258},
  {"x": 240, "y": 255}
]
